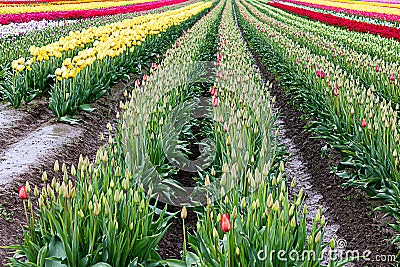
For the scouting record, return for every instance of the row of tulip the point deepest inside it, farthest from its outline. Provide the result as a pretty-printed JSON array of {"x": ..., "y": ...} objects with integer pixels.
[
  {"x": 16, "y": 29},
  {"x": 357, "y": 122},
  {"x": 360, "y": 6},
  {"x": 371, "y": 69},
  {"x": 18, "y": 46},
  {"x": 380, "y": 16},
  {"x": 18, "y": 9},
  {"x": 79, "y": 14},
  {"x": 98, "y": 213},
  {"x": 254, "y": 207},
  {"x": 370, "y": 20},
  {"x": 352, "y": 25},
  {"x": 113, "y": 42},
  {"x": 49, "y": 2}
]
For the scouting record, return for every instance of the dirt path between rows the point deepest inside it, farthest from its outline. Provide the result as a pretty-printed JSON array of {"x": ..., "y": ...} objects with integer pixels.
[{"x": 31, "y": 141}]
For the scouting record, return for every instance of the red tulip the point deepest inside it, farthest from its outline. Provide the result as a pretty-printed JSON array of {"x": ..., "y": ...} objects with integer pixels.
[
  {"x": 22, "y": 192},
  {"x": 322, "y": 74},
  {"x": 225, "y": 223},
  {"x": 212, "y": 90},
  {"x": 363, "y": 122},
  {"x": 215, "y": 101},
  {"x": 377, "y": 68},
  {"x": 137, "y": 82},
  {"x": 335, "y": 91},
  {"x": 215, "y": 93}
]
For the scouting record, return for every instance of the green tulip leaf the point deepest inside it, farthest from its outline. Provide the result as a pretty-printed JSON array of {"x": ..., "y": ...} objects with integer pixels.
[
  {"x": 56, "y": 253},
  {"x": 101, "y": 264}
]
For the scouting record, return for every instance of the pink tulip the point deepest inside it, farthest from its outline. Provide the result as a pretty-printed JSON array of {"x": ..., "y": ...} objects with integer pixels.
[
  {"x": 391, "y": 78},
  {"x": 215, "y": 101},
  {"x": 335, "y": 92},
  {"x": 363, "y": 122}
]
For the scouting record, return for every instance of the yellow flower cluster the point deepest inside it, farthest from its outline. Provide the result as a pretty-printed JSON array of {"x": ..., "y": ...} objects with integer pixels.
[
  {"x": 20, "y": 64},
  {"x": 77, "y": 39},
  {"x": 65, "y": 7},
  {"x": 360, "y": 6},
  {"x": 125, "y": 35}
]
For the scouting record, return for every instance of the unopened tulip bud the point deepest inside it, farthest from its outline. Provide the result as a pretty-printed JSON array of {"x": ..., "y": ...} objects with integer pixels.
[
  {"x": 318, "y": 237},
  {"x": 183, "y": 213},
  {"x": 36, "y": 191},
  {"x": 270, "y": 201},
  {"x": 80, "y": 214},
  {"x": 213, "y": 172},
  {"x": 27, "y": 187},
  {"x": 243, "y": 203},
  {"x": 207, "y": 181},
  {"x": 73, "y": 170},
  {"x": 215, "y": 233},
  {"x": 44, "y": 175},
  {"x": 322, "y": 220},
  {"x": 56, "y": 167},
  {"x": 332, "y": 243},
  {"x": 293, "y": 183}
]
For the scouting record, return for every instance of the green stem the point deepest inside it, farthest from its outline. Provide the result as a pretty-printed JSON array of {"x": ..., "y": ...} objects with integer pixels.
[
  {"x": 184, "y": 240},
  {"x": 26, "y": 213}
]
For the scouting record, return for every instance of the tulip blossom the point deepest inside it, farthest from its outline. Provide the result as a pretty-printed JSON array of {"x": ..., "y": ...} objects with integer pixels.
[
  {"x": 22, "y": 192},
  {"x": 137, "y": 82},
  {"x": 225, "y": 223},
  {"x": 335, "y": 92},
  {"x": 363, "y": 122},
  {"x": 391, "y": 78},
  {"x": 215, "y": 101}
]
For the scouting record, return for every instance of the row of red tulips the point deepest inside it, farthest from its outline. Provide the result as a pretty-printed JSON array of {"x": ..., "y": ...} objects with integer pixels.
[
  {"x": 382, "y": 16},
  {"x": 78, "y": 14},
  {"x": 349, "y": 24}
]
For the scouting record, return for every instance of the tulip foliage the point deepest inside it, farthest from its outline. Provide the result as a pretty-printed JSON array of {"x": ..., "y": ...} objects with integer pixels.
[{"x": 354, "y": 114}]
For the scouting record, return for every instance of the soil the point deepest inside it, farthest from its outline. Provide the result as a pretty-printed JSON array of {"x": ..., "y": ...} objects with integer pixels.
[{"x": 360, "y": 227}]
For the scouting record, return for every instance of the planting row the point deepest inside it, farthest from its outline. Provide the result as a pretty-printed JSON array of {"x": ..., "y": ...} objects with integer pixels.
[
  {"x": 364, "y": 8},
  {"x": 356, "y": 121},
  {"x": 104, "y": 215},
  {"x": 79, "y": 14},
  {"x": 367, "y": 19},
  {"x": 345, "y": 10}
]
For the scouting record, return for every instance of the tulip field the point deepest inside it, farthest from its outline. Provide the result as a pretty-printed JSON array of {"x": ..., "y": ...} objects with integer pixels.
[{"x": 226, "y": 133}]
